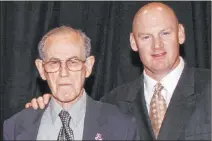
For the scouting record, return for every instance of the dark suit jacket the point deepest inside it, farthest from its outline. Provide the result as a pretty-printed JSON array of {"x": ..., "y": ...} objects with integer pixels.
[
  {"x": 188, "y": 115},
  {"x": 102, "y": 118}
]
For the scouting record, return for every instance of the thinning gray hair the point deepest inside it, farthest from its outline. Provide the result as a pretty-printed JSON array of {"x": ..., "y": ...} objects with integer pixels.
[{"x": 66, "y": 30}]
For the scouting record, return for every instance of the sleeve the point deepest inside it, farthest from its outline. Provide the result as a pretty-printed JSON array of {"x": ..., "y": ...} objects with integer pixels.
[{"x": 8, "y": 130}]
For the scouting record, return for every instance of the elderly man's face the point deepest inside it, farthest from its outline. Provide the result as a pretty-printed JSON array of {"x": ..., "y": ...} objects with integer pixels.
[
  {"x": 156, "y": 36},
  {"x": 66, "y": 85}
]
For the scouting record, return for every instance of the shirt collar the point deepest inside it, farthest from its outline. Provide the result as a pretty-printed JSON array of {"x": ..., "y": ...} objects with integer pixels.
[
  {"x": 149, "y": 83},
  {"x": 170, "y": 80},
  {"x": 77, "y": 110}
]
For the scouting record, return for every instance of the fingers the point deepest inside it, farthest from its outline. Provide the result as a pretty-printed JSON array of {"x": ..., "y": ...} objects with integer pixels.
[
  {"x": 46, "y": 98},
  {"x": 40, "y": 102},
  {"x": 27, "y": 105},
  {"x": 34, "y": 103}
]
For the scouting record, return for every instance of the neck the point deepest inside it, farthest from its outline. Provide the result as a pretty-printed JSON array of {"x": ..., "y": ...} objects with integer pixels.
[
  {"x": 157, "y": 76},
  {"x": 68, "y": 104}
]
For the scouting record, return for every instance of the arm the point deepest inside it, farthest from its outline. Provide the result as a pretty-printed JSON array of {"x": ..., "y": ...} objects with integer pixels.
[{"x": 8, "y": 130}]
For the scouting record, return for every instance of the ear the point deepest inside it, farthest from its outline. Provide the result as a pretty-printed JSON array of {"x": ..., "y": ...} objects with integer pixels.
[
  {"x": 133, "y": 43},
  {"x": 89, "y": 65},
  {"x": 181, "y": 34},
  {"x": 39, "y": 65}
]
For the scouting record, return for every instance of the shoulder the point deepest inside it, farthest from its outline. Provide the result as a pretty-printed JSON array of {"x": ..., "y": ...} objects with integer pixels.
[
  {"x": 202, "y": 78},
  {"x": 26, "y": 116},
  {"x": 23, "y": 115},
  {"x": 116, "y": 117},
  {"x": 204, "y": 74},
  {"x": 112, "y": 110},
  {"x": 124, "y": 92},
  {"x": 129, "y": 85}
]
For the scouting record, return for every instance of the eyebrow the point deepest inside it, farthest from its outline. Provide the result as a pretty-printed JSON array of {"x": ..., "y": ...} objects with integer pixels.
[
  {"x": 167, "y": 29},
  {"x": 73, "y": 57},
  {"x": 141, "y": 33}
]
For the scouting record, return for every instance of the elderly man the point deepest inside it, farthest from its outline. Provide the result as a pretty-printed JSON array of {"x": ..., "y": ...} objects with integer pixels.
[
  {"x": 71, "y": 114},
  {"x": 170, "y": 100}
]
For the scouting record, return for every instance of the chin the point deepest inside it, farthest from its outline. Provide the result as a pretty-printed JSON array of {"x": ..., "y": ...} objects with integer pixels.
[
  {"x": 65, "y": 99},
  {"x": 68, "y": 99}
]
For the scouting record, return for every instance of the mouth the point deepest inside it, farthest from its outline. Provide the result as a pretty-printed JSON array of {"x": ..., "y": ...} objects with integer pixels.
[
  {"x": 159, "y": 55},
  {"x": 64, "y": 84}
]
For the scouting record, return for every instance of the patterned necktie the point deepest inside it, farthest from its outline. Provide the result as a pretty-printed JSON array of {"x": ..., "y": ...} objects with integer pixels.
[
  {"x": 157, "y": 109},
  {"x": 66, "y": 133}
]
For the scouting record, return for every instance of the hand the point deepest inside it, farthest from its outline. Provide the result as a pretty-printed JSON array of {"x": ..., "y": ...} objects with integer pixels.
[{"x": 40, "y": 102}]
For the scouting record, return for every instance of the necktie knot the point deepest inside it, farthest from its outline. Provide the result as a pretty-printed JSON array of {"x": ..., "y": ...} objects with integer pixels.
[
  {"x": 65, "y": 117},
  {"x": 158, "y": 87}
]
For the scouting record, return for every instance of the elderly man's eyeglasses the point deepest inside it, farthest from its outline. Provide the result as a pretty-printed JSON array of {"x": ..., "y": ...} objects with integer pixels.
[{"x": 72, "y": 64}]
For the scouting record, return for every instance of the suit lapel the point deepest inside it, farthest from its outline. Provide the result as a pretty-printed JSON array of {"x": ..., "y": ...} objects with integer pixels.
[
  {"x": 96, "y": 122},
  {"x": 30, "y": 129},
  {"x": 142, "y": 116},
  {"x": 133, "y": 102},
  {"x": 93, "y": 124},
  {"x": 180, "y": 108}
]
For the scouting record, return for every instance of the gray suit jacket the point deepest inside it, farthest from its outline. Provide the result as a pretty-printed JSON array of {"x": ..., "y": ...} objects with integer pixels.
[
  {"x": 188, "y": 116},
  {"x": 101, "y": 118}
]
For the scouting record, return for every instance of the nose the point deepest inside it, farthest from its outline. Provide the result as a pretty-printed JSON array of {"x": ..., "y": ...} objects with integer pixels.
[
  {"x": 63, "y": 70},
  {"x": 158, "y": 43}
]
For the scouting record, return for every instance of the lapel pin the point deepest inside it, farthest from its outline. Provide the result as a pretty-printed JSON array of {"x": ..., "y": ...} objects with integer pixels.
[{"x": 98, "y": 137}]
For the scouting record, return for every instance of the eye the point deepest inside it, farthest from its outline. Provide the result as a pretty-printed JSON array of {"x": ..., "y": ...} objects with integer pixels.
[
  {"x": 73, "y": 62},
  {"x": 166, "y": 33},
  {"x": 53, "y": 64},
  {"x": 145, "y": 37}
]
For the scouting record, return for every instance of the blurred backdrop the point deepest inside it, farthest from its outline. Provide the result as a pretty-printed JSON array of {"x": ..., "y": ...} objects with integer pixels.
[{"x": 108, "y": 24}]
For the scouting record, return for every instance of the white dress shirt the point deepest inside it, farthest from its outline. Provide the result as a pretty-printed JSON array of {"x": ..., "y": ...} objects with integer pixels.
[{"x": 169, "y": 83}]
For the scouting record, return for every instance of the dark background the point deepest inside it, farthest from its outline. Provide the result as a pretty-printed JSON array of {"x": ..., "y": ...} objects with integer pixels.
[{"x": 108, "y": 24}]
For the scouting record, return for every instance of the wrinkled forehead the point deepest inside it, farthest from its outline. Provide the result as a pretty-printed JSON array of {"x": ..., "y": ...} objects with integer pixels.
[
  {"x": 73, "y": 37},
  {"x": 64, "y": 45}
]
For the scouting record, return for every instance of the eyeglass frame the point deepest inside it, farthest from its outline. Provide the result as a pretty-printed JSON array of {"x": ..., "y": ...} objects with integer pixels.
[{"x": 60, "y": 61}]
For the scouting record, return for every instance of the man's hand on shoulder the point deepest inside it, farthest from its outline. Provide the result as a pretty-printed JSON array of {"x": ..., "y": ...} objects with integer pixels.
[{"x": 40, "y": 102}]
